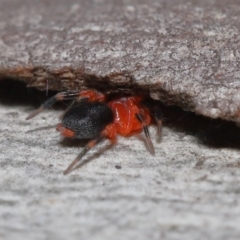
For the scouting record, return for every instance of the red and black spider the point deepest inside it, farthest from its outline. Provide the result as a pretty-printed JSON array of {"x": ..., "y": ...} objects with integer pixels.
[{"x": 95, "y": 117}]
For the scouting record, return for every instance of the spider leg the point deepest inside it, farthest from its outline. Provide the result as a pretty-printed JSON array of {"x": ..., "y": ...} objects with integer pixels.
[
  {"x": 91, "y": 95},
  {"x": 155, "y": 110},
  {"x": 140, "y": 118},
  {"x": 109, "y": 132},
  {"x": 157, "y": 114},
  {"x": 67, "y": 95},
  {"x": 90, "y": 145},
  {"x": 67, "y": 109}
]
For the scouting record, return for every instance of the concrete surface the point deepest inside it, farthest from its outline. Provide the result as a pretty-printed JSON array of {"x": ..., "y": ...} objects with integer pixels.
[{"x": 188, "y": 190}]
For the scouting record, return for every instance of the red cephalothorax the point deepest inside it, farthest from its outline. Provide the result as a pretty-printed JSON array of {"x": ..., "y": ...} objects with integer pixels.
[{"x": 94, "y": 117}]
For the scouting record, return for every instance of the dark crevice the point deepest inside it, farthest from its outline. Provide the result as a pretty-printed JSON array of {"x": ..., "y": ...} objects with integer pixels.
[
  {"x": 215, "y": 133},
  {"x": 14, "y": 93}
]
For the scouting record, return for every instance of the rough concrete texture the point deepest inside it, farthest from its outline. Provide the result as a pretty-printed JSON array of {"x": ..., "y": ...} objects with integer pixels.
[
  {"x": 183, "y": 52},
  {"x": 188, "y": 190}
]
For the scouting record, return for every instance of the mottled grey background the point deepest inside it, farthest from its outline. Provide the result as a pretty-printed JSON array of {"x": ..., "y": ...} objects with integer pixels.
[
  {"x": 188, "y": 190},
  {"x": 183, "y": 52}
]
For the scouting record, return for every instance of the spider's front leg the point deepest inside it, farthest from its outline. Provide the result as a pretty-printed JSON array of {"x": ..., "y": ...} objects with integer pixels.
[
  {"x": 109, "y": 132},
  {"x": 90, "y": 145},
  {"x": 141, "y": 117},
  {"x": 77, "y": 95}
]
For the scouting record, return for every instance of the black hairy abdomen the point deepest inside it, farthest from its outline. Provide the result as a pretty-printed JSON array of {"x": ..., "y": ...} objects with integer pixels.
[{"x": 88, "y": 119}]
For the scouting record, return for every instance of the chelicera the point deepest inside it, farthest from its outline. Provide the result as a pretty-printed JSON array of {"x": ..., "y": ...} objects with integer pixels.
[{"x": 95, "y": 117}]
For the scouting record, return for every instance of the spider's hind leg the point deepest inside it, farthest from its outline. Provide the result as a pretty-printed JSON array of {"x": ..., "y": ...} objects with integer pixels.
[
  {"x": 157, "y": 114},
  {"x": 67, "y": 95},
  {"x": 77, "y": 95}
]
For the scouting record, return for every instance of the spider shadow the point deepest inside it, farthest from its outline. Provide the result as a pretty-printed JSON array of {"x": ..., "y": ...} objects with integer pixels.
[
  {"x": 215, "y": 133},
  {"x": 15, "y": 93}
]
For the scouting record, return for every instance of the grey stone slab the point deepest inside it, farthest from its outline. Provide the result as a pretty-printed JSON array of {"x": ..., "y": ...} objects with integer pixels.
[{"x": 183, "y": 52}]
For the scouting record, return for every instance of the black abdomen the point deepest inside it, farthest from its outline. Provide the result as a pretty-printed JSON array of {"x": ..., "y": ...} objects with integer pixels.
[{"x": 88, "y": 119}]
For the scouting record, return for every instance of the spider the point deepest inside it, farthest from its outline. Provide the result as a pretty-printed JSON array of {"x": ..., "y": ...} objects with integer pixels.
[{"x": 94, "y": 116}]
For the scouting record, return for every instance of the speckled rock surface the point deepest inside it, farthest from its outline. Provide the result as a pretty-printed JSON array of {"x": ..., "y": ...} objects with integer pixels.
[
  {"x": 188, "y": 190},
  {"x": 183, "y": 52}
]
